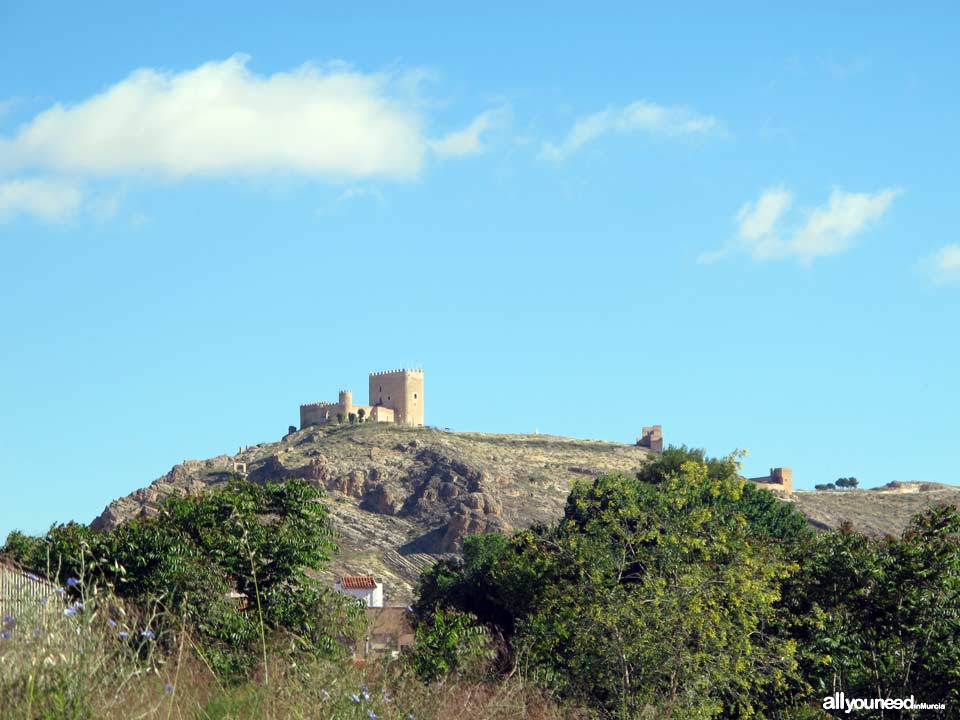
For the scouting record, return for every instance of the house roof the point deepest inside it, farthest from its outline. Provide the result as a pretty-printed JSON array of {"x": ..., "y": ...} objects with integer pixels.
[{"x": 358, "y": 582}]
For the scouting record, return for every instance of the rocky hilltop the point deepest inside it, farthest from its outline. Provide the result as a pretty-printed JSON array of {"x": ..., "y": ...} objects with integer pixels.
[{"x": 401, "y": 497}]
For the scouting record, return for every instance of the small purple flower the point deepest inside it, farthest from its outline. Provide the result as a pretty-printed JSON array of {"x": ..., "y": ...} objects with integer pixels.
[
  {"x": 124, "y": 634},
  {"x": 8, "y": 618},
  {"x": 111, "y": 622},
  {"x": 326, "y": 695},
  {"x": 78, "y": 605},
  {"x": 372, "y": 715},
  {"x": 365, "y": 695},
  {"x": 70, "y": 612},
  {"x": 168, "y": 687},
  {"x": 61, "y": 591},
  {"x": 43, "y": 601},
  {"x": 147, "y": 634},
  {"x": 33, "y": 577},
  {"x": 355, "y": 698},
  {"x": 72, "y": 582},
  {"x": 4, "y": 635},
  {"x": 36, "y": 631}
]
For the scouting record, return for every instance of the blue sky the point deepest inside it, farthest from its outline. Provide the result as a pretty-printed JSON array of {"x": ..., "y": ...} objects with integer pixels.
[{"x": 741, "y": 226}]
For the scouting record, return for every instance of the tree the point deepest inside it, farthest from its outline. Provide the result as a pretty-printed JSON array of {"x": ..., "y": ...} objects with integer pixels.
[
  {"x": 258, "y": 540},
  {"x": 361, "y": 413},
  {"x": 881, "y": 618},
  {"x": 340, "y": 418},
  {"x": 647, "y": 596}
]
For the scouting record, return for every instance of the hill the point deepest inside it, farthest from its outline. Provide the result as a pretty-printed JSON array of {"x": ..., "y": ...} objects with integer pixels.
[
  {"x": 401, "y": 497},
  {"x": 879, "y": 511}
]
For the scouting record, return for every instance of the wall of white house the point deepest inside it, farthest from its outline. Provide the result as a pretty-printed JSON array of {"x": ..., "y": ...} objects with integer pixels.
[{"x": 372, "y": 598}]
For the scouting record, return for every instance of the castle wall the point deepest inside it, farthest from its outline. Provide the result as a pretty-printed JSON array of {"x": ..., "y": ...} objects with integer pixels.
[
  {"x": 382, "y": 414},
  {"x": 316, "y": 413},
  {"x": 401, "y": 390},
  {"x": 652, "y": 438},
  {"x": 780, "y": 480}
]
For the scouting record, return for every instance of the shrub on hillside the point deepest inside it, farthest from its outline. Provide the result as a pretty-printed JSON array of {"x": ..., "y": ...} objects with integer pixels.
[{"x": 230, "y": 563}]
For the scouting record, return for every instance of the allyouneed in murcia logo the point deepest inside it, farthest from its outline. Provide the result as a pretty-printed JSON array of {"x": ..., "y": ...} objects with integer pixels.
[{"x": 839, "y": 701}]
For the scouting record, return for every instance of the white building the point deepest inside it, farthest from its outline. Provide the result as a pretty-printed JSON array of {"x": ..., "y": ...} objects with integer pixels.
[{"x": 362, "y": 587}]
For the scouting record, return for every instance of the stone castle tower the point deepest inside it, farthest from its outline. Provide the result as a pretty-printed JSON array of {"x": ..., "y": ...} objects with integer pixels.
[
  {"x": 401, "y": 391},
  {"x": 395, "y": 396}
]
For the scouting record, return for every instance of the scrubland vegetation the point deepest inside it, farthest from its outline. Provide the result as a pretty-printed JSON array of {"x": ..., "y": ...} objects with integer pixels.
[{"x": 679, "y": 593}]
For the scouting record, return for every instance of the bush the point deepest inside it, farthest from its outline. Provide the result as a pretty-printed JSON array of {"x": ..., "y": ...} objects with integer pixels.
[{"x": 254, "y": 540}]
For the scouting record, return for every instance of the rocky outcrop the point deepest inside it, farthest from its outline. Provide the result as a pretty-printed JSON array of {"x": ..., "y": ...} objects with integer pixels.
[{"x": 402, "y": 497}]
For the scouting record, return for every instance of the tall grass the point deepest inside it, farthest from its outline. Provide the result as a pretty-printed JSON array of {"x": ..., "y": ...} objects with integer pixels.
[{"x": 92, "y": 658}]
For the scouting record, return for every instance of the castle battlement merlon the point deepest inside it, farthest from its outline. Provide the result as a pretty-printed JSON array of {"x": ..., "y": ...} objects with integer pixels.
[{"x": 398, "y": 370}]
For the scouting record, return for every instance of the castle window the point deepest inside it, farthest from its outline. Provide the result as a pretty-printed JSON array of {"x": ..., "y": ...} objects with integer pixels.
[{"x": 414, "y": 396}]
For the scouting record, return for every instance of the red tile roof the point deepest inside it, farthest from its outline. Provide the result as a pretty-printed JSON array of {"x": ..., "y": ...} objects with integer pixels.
[{"x": 358, "y": 582}]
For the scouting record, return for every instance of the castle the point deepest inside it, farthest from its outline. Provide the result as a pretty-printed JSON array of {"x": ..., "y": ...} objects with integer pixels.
[{"x": 396, "y": 396}]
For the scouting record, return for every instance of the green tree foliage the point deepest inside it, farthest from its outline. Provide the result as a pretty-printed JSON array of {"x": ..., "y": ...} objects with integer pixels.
[
  {"x": 882, "y": 617},
  {"x": 767, "y": 517},
  {"x": 361, "y": 413},
  {"x": 451, "y": 641},
  {"x": 650, "y": 595},
  {"x": 258, "y": 540},
  {"x": 353, "y": 418},
  {"x": 340, "y": 418}
]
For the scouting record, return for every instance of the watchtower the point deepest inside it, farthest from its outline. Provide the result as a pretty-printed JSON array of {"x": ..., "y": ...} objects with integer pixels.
[
  {"x": 345, "y": 401},
  {"x": 400, "y": 390}
]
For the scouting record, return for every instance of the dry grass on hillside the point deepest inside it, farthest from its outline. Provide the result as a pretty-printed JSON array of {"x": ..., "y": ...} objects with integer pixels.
[{"x": 876, "y": 512}]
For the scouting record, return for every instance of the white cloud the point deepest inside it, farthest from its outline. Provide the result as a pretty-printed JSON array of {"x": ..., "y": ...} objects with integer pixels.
[
  {"x": 467, "y": 141},
  {"x": 46, "y": 199},
  {"x": 222, "y": 119},
  {"x": 640, "y": 116},
  {"x": 825, "y": 230},
  {"x": 758, "y": 219},
  {"x": 943, "y": 266}
]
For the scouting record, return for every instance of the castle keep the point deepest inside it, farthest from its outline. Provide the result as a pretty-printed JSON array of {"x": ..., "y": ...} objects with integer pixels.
[{"x": 395, "y": 396}]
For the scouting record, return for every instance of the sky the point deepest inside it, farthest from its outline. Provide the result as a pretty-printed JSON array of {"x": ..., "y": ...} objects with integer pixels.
[{"x": 577, "y": 219}]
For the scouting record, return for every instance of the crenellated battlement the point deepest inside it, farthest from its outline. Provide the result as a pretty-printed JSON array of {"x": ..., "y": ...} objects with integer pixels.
[
  {"x": 318, "y": 405},
  {"x": 413, "y": 371}
]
